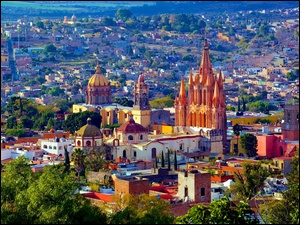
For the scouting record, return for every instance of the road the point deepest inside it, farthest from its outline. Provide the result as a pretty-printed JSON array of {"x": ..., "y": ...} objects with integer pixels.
[{"x": 11, "y": 60}]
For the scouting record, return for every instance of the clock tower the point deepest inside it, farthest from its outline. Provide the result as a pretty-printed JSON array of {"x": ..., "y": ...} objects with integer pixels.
[{"x": 141, "y": 109}]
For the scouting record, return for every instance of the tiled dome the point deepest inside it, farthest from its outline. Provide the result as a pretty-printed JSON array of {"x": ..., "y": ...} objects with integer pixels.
[
  {"x": 98, "y": 79},
  {"x": 132, "y": 127},
  {"x": 88, "y": 130}
]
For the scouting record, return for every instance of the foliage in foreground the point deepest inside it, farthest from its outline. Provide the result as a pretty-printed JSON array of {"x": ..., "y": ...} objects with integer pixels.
[
  {"x": 44, "y": 198},
  {"x": 285, "y": 211},
  {"x": 222, "y": 211}
]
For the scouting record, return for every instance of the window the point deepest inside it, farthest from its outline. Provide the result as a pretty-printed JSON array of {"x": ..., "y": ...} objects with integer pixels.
[
  {"x": 88, "y": 143},
  {"x": 141, "y": 137},
  {"x": 130, "y": 137},
  {"x": 50, "y": 147},
  {"x": 202, "y": 191},
  {"x": 78, "y": 143},
  {"x": 181, "y": 146},
  {"x": 134, "y": 153},
  {"x": 54, "y": 147},
  {"x": 153, "y": 153},
  {"x": 276, "y": 163},
  {"x": 45, "y": 146}
]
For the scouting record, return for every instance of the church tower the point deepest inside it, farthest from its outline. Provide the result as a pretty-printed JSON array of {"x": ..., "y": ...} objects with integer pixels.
[
  {"x": 205, "y": 106},
  {"x": 141, "y": 109},
  {"x": 98, "y": 90}
]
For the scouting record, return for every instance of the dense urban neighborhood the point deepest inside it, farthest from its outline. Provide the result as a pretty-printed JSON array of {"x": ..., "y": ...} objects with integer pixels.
[{"x": 168, "y": 118}]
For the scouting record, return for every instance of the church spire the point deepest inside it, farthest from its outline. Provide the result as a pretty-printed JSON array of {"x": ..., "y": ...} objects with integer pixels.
[
  {"x": 205, "y": 70},
  {"x": 216, "y": 96},
  {"x": 182, "y": 94},
  {"x": 141, "y": 78},
  {"x": 191, "y": 78},
  {"x": 220, "y": 79}
]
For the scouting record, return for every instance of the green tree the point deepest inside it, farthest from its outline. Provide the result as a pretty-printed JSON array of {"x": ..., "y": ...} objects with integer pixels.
[
  {"x": 40, "y": 24},
  {"x": 107, "y": 21},
  {"x": 11, "y": 122},
  {"x": 16, "y": 178},
  {"x": 222, "y": 211},
  {"x": 249, "y": 182},
  {"x": 58, "y": 202},
  {"x": 67, "y": 159},
  {"x": 16, "y": 132},
  {"x": 175, "y": 161},
  {"x": 94, "y": 159},
  {"x": 141, "y": 209},
  {"x": 49, "y": 48},
  {"x": 75, "y": 121},
  {"x": 77, "y": 157},
  {"x": 25, "y": 122},
  {"x": 123, "y": 14},
  {"x": 56, "y": 91},
  {"x": 237, "y": 130},
  {"x": 162, "y": 159},
  {"x": 160, "y": 103},
  {"x": 285, "y": 211},
  {"x": 169, "y": 160},
  {"x": 249, "y": 144}
]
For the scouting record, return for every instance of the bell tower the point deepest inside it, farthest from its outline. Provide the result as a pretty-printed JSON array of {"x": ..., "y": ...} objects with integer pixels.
[{"x": 141, "y": 109}]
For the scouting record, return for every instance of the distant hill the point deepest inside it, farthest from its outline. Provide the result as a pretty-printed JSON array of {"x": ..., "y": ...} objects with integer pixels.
[{"x": 55, "y": 9}]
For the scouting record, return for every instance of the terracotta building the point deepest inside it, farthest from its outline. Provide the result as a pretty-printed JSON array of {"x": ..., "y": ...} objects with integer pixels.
[
  {"x": 98, "y": 89},
  {"x": 205, "y": 104}
]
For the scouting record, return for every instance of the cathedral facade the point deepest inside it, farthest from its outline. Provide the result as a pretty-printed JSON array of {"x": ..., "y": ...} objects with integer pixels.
[{"x": 204, "y": 106}]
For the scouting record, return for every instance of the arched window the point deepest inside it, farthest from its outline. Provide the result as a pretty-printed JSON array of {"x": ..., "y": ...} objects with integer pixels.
[
  {"x": 130, "y": 137},
  {"x": 153, "y": 153},
  {"x": 141, "y": 137},
  {"x": 124, "y": 153},
  {"x": 45, "y": 146},
  {"x": 134, "y": 153},
  {"x": 78, "y": 143},
  {"x": 88, "y": 143}
]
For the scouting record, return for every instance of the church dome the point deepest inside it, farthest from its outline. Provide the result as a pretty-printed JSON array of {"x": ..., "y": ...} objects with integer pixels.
[
  {"x": 88, "y": 130},
  {"x": 98, "y": 79},
  {"x": 132, "y": 127}
]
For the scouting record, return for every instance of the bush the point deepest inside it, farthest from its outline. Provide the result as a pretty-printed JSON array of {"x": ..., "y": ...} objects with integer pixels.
[{"x": 94, "y": 187}]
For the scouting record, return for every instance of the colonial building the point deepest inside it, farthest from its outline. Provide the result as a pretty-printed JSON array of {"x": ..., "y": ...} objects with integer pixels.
[
  {"x": 141, "y": 109},
  {"x": 205, "y": 105},
  {"x": 99, "y": 99},
  {"x": 88, "y": 136},
  {"x": 98, "y": 89}
]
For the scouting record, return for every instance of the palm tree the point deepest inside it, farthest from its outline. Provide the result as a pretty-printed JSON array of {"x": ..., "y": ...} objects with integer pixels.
[
  {"x": 77, "y": 157},
  {"x": 162, "y": 159},
  {"x": 175, "y": 161},
  {"x": 169, "y": 161}
]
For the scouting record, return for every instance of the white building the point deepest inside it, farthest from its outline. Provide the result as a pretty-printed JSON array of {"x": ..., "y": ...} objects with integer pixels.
[{"x": 53, "y": 146}]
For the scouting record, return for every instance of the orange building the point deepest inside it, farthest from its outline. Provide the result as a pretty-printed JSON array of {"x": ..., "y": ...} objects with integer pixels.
[{"x": 205, "y": 105}]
